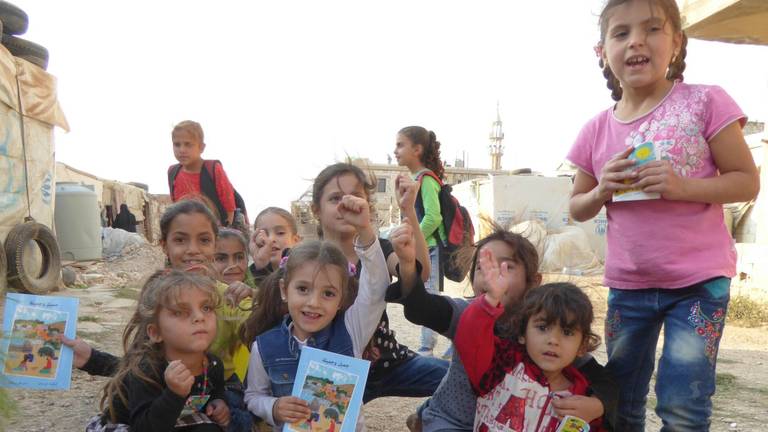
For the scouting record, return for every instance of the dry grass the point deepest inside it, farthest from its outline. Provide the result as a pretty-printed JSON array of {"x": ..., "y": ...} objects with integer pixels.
[{"x": 746, "y": 312}]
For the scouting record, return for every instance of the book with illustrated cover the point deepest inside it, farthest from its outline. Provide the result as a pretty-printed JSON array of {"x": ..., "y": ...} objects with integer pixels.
[
  {"x": 333, "y": 385},
  {"x": 572, "y": 424},
  {"x": 31, "y": 353},
  {"x": 642, "y": 154}
]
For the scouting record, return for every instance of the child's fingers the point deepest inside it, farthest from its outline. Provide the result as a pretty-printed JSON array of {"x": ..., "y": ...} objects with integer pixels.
[
  {"x": 504, "y": 269},
  {"x": 174, "y": 365},
  {"x": 623, "y": 154},
  {"x": 189, "y": 381},
  {"x": 297, "y": 401},
  {"x": 487, "y": 262}
]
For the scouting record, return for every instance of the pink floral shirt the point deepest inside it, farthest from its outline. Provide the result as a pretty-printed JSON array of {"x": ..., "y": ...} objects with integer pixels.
[{"x": 660, "y": 243}]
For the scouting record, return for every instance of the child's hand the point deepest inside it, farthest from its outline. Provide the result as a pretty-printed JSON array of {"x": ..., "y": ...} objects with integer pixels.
[
  {"x": 659, "y": 177},
  {"x": 204, "y": 269},
  {"x": 355, "y": 211},
  {"x": 259, "y": 250},
  {"x": 290, "y": 409},
  {"x": 178, "y": 378},
  {"x": 403, "y": 243},
  {"x": 613, "y": 175},
  {"x": 498, "y": 278},
  {"x": 82, "y": 351},
  {"x": 218, "y": 411},
  {"x": 237, "y": 292},
  {"x": 586, "y": 408},
  {"x": 406, "y": 190}
]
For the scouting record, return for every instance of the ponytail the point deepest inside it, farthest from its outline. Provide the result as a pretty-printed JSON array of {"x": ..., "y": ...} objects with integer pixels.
[{"x": 430, "y": 155}]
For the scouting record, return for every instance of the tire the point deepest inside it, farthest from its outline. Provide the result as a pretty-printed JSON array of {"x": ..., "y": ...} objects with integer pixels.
[
  {"x": 15, "y": 248},
  {"x": 29, "y": 51},
  {"x": 3, "y": 271},
  {"x": 15, "y": 21}
]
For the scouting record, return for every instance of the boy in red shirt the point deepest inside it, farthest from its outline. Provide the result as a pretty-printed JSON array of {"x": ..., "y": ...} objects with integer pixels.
[{"x": 185, "y": 177}]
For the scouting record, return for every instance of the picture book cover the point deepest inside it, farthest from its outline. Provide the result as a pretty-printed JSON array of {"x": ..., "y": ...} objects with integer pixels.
[
  {"x": 333, "y": 385},
  {"x": 642, "y": 154},
  {"x": 573, "y": 424},
  {"x": 31, "y": 352}
]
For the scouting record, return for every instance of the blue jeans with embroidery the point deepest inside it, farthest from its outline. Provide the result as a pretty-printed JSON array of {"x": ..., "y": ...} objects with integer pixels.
[
  {"x": 693, "y": 320},
  {"x": 432, "y": 285}
]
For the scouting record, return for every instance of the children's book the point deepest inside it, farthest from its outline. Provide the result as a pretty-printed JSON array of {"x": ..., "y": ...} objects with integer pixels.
[
  {"x": 333, "y": 385},
  {"x": 31, "y": 352},
  {"x": 642, "y": 154},
  {"x": 573, "y": 424}
]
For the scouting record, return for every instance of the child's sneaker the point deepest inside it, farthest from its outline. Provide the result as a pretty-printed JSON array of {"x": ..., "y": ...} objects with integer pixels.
[
  {"x": 414, "y": 423},
  {"x": 423, "y": 351}
]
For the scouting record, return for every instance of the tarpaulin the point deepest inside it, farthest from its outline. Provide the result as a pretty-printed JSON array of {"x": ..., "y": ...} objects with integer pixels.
[{"x": 41, "y": 113}]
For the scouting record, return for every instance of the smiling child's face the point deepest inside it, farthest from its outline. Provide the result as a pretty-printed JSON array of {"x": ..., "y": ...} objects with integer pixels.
[
  {"x": 190, "y": 243},
  {"x": 279, "y": 234},
  {"x": 313, "y": 296},
  {"x": 229, "y": 260}
]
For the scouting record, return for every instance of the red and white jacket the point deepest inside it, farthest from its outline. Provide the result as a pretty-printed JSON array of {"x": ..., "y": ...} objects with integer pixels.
[{"x": 513, "y": 393}]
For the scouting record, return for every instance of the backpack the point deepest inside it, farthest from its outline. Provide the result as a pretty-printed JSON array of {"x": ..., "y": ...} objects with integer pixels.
[
  {"x": 458, "y": 228},
  {"x": 208, "y": 188}
]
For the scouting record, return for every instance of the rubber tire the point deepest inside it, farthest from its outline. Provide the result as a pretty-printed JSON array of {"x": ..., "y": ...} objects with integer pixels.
[
  {"x": 18, "y": 276},
  {"x": 15, "y": 21},
  {"x": 3, "y": 272},
  {"x": 29, "y": 51}
]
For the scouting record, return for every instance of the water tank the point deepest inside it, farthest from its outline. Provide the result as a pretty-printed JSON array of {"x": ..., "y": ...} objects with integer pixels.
[{"x": 78, "y": 222}]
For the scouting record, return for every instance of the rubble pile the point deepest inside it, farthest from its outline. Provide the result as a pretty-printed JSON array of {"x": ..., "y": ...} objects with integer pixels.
[{"x": 133, "y": 265}]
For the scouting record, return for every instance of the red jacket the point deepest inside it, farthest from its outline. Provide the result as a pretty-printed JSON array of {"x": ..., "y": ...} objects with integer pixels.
[{"x": 513, "y": 393}]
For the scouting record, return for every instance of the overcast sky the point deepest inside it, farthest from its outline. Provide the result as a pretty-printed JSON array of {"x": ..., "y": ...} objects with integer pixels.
[{"x": 283, "y": 88}]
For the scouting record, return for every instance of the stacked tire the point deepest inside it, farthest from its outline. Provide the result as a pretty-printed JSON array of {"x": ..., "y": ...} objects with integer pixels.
[{"x": 15, "y": 22}]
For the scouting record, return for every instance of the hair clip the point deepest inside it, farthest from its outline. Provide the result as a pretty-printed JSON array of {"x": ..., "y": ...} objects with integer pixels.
[
  {"x": 283, "y": 262},
  {"x": 352, "y": 269}
]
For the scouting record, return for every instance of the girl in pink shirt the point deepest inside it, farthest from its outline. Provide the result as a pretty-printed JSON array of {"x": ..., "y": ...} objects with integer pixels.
[{"x": 669, "y": 257}]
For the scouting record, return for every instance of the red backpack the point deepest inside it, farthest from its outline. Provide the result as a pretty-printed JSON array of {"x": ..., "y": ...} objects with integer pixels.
[
  {"x": 458, "y": 229},
  {"x": 208, "y": 189}
]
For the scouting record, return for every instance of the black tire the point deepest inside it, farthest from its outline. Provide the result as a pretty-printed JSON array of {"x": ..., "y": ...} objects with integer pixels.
[
  {"x": 50, "y": 271},
  {"x": 3, "y": 271},
  {"x": 29, "y": 51},
  {"x": 15, "y": 21}
]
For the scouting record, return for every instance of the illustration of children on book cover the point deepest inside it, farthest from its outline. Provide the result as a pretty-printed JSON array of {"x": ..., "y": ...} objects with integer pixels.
[
  {"x": 31, "y": 349},
  {"x": 332, "y": 385},
  {"x": 328, "y": 392}
]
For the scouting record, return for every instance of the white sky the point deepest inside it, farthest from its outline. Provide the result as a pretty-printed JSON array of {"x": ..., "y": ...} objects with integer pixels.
[{"x": 283, "y": 88}]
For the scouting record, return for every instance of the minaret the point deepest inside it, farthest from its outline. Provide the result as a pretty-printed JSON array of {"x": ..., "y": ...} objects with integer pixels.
[{"x": 496, "y": 136}]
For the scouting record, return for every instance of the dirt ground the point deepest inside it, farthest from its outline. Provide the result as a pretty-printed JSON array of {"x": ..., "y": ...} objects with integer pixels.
[{"x": 107, "y": 300}]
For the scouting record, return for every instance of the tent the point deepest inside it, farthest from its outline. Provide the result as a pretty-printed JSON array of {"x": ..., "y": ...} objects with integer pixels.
[{"x": 735, "y": 21}]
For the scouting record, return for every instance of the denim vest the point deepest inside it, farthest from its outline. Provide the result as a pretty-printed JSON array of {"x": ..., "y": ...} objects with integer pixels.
[{"x": 280, "y": 351}]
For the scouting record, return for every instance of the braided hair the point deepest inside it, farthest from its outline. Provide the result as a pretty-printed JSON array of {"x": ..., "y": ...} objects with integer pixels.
[{"x": 676, "y": 66}]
